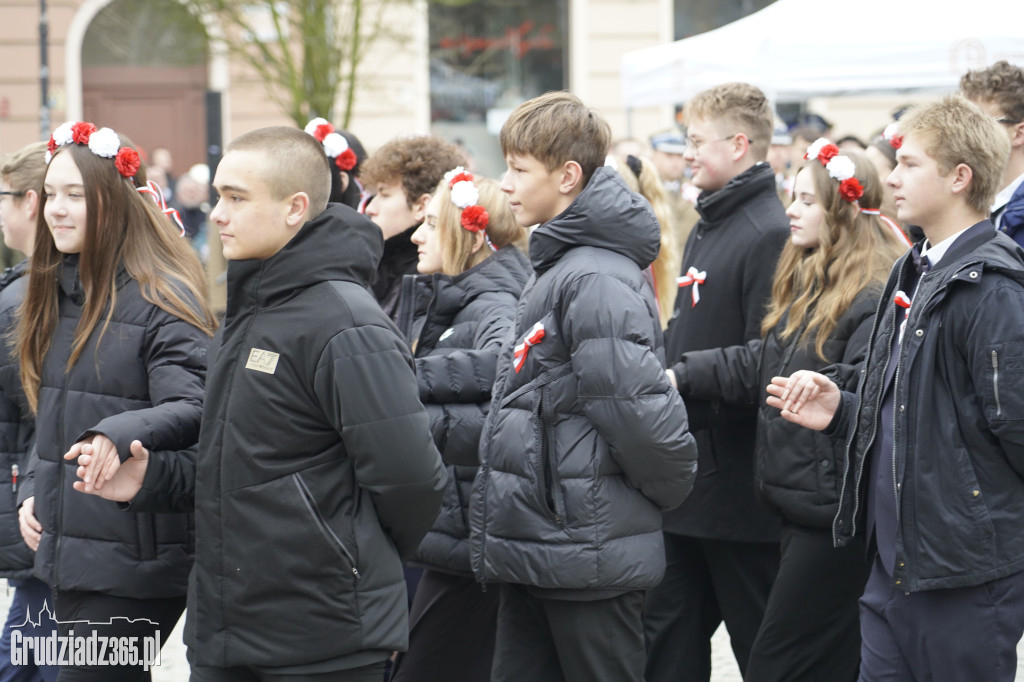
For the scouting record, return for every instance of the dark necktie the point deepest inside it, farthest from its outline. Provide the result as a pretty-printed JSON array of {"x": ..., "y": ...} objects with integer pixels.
[{"x": 922, "y": 263}]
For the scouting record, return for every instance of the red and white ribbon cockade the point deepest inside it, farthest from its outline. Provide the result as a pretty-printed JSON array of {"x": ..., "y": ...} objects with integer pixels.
[
  {"x": 693, "y": 277},
  {"x": 902, "y": 300},
  {"x": 153, "y": 190},
  {"x": 533, "y": 338}
]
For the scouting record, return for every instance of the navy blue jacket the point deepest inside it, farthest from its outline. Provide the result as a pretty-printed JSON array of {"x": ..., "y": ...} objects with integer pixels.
[{"x": 959, "y": 418}]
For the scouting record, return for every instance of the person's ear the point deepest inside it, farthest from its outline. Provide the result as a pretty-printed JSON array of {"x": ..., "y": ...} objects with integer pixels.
[
  {"x": 572, "y": 177},
  {"x": 1017, "y": 135},
  {"x": 419, "y": 208},
  {"x": 961, "y": 177},
  {"x": 478, "y": 242},
  {"x": 740, "y": 146},
  {"x": 344, "y": 180},
  {"x": 298, "y": 208},
  {"x": 30, "y": 204}
]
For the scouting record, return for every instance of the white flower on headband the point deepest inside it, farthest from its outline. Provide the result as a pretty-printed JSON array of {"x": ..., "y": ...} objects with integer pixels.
[
  {"x": 314, "y": 124},
  {"x": 104, "y": 142},
  {"x": 62, "y": 134},
  {"x": 335, "y": 144},
  {"x": 841, "y": 168},
  {"x": 465, "y": 194},
  {"x": 815, "y": 148},
  {"x": 452, "y": 173},
  {"x": 49, "y": 157}
]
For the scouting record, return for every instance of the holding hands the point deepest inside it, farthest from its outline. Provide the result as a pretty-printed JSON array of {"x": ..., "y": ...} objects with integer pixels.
[
  {"x": 123, "y": 481},
  {"x": 806, "y": 398}
]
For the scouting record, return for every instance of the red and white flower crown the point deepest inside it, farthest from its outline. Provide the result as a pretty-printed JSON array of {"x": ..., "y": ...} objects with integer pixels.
[
  {"x": 335, "y": 144},
  {"x": 465, "y": 196},
  {"x": 839, "y": 168},
  {"x": 103, "y": 142},
  {"x": 106, "y": 143}
]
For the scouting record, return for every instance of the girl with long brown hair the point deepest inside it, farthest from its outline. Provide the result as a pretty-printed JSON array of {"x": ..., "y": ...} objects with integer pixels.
[
  {"x": 824, "y": 295},
  {"x": 112, "y": 345}
]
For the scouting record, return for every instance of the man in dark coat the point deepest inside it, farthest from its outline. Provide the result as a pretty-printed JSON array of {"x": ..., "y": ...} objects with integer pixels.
[
  {"x": 316, "y": 470},
  {"x": 722, "y": 544},
  {"x": 934, "y": 466}
]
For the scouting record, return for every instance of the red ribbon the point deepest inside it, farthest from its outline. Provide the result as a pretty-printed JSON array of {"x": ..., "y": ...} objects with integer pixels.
[
  {"x": 534, "y": 337},
  {"x": 901, "y": 299},
  {"x": 694, "y": 277}
]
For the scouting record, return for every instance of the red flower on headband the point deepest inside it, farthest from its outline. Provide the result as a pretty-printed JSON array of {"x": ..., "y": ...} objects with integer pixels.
[
  {"x": 460, "y": 177},
  {"x": 850, "y": 189},
  {"x": 127, "y": 162},
  {"x": 475, "y": 218},
  {"x": 81, "y": 132},
  {"x": 346, "y": 160},
  {"x": 896, "y": 141},
  {"x": 52, "y": 145},
  {"x": 322, "y": 131},
  {"x": 827, "y": 153}
]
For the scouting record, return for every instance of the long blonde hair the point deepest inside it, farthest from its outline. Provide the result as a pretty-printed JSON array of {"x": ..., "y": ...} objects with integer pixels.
[
  {"x": 123, "y": 229},
  {"x": 666, "y": 266},
  {"x": 855, "y": 251}
]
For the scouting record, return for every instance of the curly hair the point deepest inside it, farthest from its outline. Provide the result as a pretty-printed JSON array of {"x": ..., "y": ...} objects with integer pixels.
[
  {"x": 1001, "y": 83},
  {"x": 418, "y": 161}
]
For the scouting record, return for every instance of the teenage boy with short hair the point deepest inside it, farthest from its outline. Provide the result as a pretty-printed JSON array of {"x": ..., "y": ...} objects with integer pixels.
[
  {"x": 586, "y": 441},
  {"x": 402, "y": 175},
  {"x": 316, "y": 468},
  {"x": 999, "y": 91},
  {"x": 722, "y": 544},
  {"x": 935, "y": 433}
]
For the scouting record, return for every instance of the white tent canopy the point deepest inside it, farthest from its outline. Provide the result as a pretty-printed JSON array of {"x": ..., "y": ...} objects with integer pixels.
[{"x": 795, "y": 49}]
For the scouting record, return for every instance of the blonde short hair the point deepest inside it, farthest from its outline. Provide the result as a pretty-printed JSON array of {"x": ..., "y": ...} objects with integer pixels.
[
  {"x": 955, "y": 131},
  {"x": 741, "y": 107}
]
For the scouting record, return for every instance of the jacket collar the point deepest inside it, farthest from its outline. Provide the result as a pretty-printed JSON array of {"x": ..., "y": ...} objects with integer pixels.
[{"x": 713, "y": 206}]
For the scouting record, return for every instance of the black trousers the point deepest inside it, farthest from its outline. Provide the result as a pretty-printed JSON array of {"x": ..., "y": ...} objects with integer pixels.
[
  {"x": 952, "y": 635},
  {"x": 706, "y": 582},
  {"x": 811, "y": 627},
  {"x": 367, "y": 673},
  {"x": 110, "y": 616},
  {"x": 452, "y": 627},
  {"x": 557, "y": 640}
]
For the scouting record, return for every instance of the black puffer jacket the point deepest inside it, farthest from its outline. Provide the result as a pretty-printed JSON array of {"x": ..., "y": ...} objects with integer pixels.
[
  {"x": 958, "y": 440},
  {"x": 142, "y": 379},
  {"x": 796, "y": 470},
  {"x": 398, "y": 260},
  {"x": 587, "y": 442},
  {"x": 316, "y": 469},
  {"x": 17, "y": 428},
  {"x": 465, "y": 320},
  {"x": 743, "y": 228}
]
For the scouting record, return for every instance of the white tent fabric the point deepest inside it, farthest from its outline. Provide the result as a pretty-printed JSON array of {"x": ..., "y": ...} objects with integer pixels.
[{"x": 795, "y": 49}]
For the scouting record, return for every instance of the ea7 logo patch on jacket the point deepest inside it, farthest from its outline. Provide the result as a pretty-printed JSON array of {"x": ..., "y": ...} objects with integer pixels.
[{"x": 262, "y": 360}]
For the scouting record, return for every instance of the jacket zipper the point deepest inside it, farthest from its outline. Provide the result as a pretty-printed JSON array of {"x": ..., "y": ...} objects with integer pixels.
[
  {"x": 547, "y": 468},
  {"x": 995, "y": 382},
  {"x": 321, "y": 523}
]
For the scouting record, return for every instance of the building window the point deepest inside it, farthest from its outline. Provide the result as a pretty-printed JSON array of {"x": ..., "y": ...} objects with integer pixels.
[
  {"x": 487, "y": 57},
  {"x": 699, "y": 16}
]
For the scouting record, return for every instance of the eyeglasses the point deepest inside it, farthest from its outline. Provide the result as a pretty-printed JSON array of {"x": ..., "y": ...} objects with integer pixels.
[
  {"x": 695, "y": 145},
  {"x": 1006, "y": 120}
]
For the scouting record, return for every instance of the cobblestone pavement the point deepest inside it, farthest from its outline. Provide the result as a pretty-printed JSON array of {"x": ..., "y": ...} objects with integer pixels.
[{"x": 174, "y": 668}]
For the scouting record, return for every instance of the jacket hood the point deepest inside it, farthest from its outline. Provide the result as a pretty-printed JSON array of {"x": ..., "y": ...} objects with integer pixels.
[
  {"x": 606, "y": 215},
  {"x": 982, "y": 243},
  {"x": 337, "y": 245}
]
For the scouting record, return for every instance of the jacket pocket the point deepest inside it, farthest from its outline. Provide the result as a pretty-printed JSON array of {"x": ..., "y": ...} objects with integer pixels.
[
  {"x": 550, "y": 483},
  {"x": 1006, "y": 381},
  {"x": 321, "y": 525}
]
